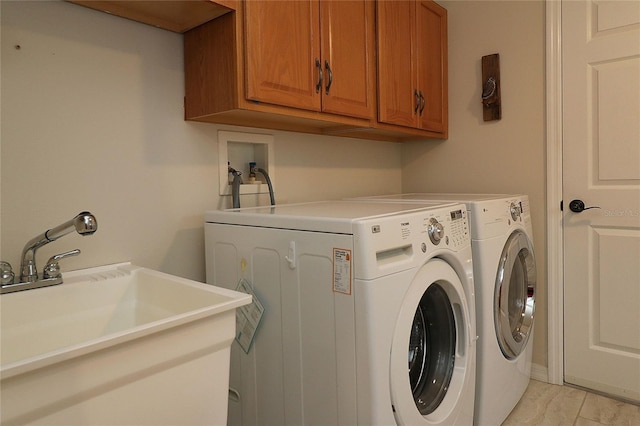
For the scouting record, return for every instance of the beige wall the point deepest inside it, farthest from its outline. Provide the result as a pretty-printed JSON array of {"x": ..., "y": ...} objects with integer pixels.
[
  {"x": 506, "y": 156},
  {"x": 92, "y": 120}
]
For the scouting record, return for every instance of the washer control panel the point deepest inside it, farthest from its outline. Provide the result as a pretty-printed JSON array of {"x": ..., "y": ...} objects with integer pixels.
[
  {"x": 397, "y": 242},
  {"x": 450, "y": 227},
  {"x": 460, "y": 234}
]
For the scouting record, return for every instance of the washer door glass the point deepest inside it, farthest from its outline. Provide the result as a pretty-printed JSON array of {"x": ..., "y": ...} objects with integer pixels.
[
  {"x": 432, "y": 358},
  {"x": 432, "y": 346},
  {"x": 514, "y": 297}
]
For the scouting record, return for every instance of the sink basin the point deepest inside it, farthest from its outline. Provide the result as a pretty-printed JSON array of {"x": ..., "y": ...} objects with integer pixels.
[{"x": 82, "y": 351}]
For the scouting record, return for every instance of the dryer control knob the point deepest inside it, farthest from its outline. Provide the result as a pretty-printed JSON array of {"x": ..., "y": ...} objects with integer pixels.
[
  {"x": 435, "y": 231},
  {"x": 515, "y": 211}
]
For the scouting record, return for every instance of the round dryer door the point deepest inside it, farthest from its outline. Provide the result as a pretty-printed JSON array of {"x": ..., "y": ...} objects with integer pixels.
[
  {"x": 514, "y": 297},
  {"x": 430, "y": 354}
]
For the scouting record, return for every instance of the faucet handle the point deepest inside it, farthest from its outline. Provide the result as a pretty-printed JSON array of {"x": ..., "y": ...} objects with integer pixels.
[
  {"x": 52, "y": 269},
  {"x": 6, "y": 273}
]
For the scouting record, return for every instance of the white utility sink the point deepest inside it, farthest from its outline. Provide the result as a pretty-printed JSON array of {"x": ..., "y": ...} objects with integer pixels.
[{"x": 117, "y": 344}]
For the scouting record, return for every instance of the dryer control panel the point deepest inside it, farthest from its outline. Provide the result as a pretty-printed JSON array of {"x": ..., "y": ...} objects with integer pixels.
[{"x": 493, "y": 218}]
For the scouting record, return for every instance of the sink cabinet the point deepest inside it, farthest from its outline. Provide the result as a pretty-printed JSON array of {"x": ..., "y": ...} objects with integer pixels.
[
  {"x": 261, "y": 66},
  {"x": 112, "y": 344},
  {"x": 412, "y": 65}
]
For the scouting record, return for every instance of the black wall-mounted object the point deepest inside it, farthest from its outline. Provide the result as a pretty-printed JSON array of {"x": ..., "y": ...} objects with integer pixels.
[{"x": 491, "y": 101}]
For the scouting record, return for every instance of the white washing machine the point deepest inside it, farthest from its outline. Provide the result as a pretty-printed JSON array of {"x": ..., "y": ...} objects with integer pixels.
[
  {"x": 367, "y": 316},
  {"x": 505, "y": 280}
]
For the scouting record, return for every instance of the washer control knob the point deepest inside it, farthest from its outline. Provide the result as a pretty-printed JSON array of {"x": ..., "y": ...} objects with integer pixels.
[
  {"x": 515, "y": 211},
  {"x": 435, "y": 231}
]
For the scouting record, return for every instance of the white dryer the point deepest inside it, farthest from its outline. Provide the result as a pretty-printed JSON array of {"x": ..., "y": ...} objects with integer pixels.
[
  {"x": 505, "y": 280},
  {"x": 367, "y": 314}
]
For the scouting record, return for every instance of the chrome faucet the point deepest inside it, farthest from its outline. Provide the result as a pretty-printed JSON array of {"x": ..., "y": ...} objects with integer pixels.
[{"x": 84, "y": 224}]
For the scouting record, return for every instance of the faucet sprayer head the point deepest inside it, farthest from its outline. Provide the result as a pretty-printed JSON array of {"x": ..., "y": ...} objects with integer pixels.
[{"x": 85, "y": 223}]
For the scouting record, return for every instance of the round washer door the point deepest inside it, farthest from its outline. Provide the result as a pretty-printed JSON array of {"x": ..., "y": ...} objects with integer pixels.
[
  {"x": 514, "y": 296},
  {"x": 431, "y": 352}
]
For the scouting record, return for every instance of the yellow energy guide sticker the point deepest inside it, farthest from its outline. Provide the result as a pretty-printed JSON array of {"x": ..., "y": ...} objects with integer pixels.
[{"x": 342, "y": 270}]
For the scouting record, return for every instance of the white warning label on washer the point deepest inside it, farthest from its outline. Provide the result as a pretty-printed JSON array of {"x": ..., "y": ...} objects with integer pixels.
[
  {"x": 248, "y": 317},
  {"x": 342, "y": 270},
  {"x": 405, "y": 230}
]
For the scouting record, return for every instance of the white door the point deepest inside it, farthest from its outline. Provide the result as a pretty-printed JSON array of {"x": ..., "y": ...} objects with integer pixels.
[{"x": 601, "y": 167}]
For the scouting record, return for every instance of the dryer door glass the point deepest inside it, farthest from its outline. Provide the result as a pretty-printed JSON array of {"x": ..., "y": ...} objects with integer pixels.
[
  {"x": 514, "y": 297},
  {"x": 432, "y": 349}
]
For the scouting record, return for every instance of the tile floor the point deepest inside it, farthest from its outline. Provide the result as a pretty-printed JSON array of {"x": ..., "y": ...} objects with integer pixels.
[{"x": 551, "y": 405}]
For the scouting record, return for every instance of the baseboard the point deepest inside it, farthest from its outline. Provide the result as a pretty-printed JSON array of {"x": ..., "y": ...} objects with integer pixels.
[{"x": 539, "y": 373}]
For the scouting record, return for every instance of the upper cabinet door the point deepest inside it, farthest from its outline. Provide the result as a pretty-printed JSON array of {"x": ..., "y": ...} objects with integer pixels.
[
  {"x": 397, "y": 81},
  {"x": 412, "y": 65},
  {"x": 348, "y": 44},
  {"x": 282, "y": 47},
  {"x": 432, "y": 65}
]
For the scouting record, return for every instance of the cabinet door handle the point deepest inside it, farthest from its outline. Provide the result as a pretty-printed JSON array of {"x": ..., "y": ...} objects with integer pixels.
[
  {"x": 417, "y": 96},
  {"x": 330, "y": 80},
  {"x": 423, "y": 102},
  {"x": 319, "y": 83}
]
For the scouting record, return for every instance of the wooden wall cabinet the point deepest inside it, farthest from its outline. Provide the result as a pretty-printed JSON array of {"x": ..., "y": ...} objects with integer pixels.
[
  {"x": 173, "y": 15},
  {"x": 309, "y": 66},
  {"x": 313, "y": 54},
  {"x": 261, "y": 66},
  {"x": 412, "y": 66}
]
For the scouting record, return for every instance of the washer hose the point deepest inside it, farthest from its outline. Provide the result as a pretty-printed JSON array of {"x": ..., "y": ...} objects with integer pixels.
[
  {"x": 235, "y": 186},
  {"x": 266, "y": 176}
]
